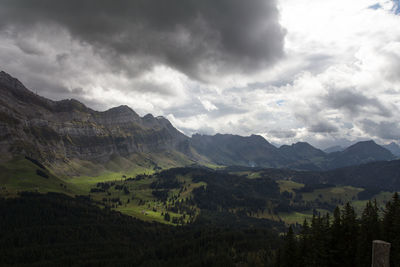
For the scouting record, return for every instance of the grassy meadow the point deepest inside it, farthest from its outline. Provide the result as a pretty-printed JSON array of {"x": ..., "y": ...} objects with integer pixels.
[{"x": 131, "y": 192}]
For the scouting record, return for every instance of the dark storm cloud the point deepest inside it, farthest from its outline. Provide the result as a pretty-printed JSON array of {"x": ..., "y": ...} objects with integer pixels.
[
  {"x": 28, "y": 47},
  {"x": 51, "y": 88},
  {"x": 315, "y": 123},
  {"x": 355, "y": 103},
  {"x": 224, "y": 109},
  {"x": 188, "y": 110},
  {"x": 195, "y": 107},
  {"x": 282, "y": 134},
  {"x": 323, "y": 127},
  {"x": 195, "y": 37},
  {"x": 385, "y": 129}
]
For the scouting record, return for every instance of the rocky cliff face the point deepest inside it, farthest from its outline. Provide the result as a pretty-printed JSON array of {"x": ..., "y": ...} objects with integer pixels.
[{"x": 54, "y": 131}]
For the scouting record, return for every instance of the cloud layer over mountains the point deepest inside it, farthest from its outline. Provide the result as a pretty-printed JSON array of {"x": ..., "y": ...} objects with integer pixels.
[
  {"x": 291, "y": 70},
  {"x": 197, "y": 38}
]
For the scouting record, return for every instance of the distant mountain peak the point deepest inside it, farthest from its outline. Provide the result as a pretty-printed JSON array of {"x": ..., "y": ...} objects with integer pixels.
[
  {"x": 60, "y": 131},
  {"x": 148, "y": 116},
  {"x": 258, "y": 137},
  {"x": 5, "y": 75},
  {"x": 70, "y": 105},
  {"x": 229, "y": 149},
  {"x": 303, "y": 144},
  {"x": 368, "y": 146},
  {"x": 67, "y": 129},
  {"x": 392, "y": 144},
  {"x": 367, "y": 143},
  {"x": 394, "y": 148},
  {"x": 10, "y": 82},
  {"x": 123, "y": 109},
  {"x": 302, "y": 150},
  {"x": 362, "y": 152},
  {"x": 333, "y": 149}
]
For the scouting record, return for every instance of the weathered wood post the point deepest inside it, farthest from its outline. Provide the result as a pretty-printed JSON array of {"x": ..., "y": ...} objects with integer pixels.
[{"x": 380, "y": 253}]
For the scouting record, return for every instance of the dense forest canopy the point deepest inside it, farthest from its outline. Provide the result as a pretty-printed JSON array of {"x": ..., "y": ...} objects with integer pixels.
[{"x": 345, "y": 239}]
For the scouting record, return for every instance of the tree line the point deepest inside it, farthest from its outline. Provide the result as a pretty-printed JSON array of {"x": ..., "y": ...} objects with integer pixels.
[
  {"x": 57, "y": 230},
  {"x": 343, "y": 240}
]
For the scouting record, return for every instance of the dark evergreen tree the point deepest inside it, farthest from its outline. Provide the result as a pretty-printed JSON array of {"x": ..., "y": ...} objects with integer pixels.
[
  {"x": 336, "y": 241},
  {"x": 391, "y": 228},
  {"x": 369, "y": 231},
  {"x": 305, "y": 245},
  {"x": 319, "y": 232},
  {"x": 167, "y": 217},
  {"x": 289, "y": 252},
  {"x": 347, "y": 241},
  {"x": 350, "y": 235}
]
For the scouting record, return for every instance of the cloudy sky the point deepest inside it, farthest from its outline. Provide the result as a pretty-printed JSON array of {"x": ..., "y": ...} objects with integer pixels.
[{"x": 326, "y": 72}]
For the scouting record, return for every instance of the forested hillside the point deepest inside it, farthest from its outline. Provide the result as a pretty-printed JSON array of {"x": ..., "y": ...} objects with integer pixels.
[
  {"x": 56, "y": 230},
  {"x": 344, "y": 239}
]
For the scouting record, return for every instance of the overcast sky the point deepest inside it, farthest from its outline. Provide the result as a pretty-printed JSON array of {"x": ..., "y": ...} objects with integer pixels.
[{"x": 326, "y": 72}]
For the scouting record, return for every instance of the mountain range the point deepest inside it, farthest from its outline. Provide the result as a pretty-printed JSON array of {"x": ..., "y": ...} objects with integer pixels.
[
  {"x": 71, "y": 138},
  {"x": 333, "y": 149},
  {"x": 394, "y": 148}
]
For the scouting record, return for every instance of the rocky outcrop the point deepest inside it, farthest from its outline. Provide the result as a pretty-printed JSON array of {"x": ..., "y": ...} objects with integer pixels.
[
  {"x": 62, "y": 130},
  {"x": 56, "y": 132}
]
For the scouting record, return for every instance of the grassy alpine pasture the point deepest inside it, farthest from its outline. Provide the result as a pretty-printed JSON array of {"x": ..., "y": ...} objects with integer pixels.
[
  {"x": 299, "y": 217},
  {"x": 87, "y": 182},
  {"x": 134, "y": 197},
  {"x": 381, "y": 199},
  {"x": 344, "y": 193},
  {"x": 21, "y": 174},
  {"x": 335, "y": 196},
  {"x": 289, "y": 186},
  {"x": 137, "y": 191}
]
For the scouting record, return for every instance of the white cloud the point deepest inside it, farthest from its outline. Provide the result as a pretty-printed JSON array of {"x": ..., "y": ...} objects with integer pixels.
[{"x": 341, "y": 69}]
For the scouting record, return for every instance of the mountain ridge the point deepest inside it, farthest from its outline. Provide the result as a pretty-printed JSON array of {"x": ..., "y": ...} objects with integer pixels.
[
  {"x": 57, "y": 132},
  {"x": 224, "y": 149},
  {"x": 394, "y": 148},
  {"x": 332, "y": 149}
]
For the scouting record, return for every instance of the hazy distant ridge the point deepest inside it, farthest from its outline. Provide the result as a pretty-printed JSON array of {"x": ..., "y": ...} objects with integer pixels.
[{"x": 59, "y": 131}]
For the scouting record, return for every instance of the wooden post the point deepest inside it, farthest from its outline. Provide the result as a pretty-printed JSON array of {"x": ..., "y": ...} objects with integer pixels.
[{"x": 380, "y": 253}]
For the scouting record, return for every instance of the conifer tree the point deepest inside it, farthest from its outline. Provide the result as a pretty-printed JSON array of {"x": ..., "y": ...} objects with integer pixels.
[
  {"x": 347, "y": 241},
  {"x": 319, "y": 233},
  {"x": 289, "y": 255},
  {"x": 350, "y": 234},
  {"x": 305, "y": 245},
  {"x": 391, "y": 228},
  {"x": 369, "y": 231},
  {"x": 336, "y": 240}
]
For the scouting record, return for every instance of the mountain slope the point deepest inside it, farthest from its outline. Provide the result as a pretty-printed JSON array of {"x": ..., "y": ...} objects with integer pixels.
[
  {"x": 394, "y": 148},
  {"x": 381, "y": 175},
  {"x": 227, "y": 149},
  {"x": 359, "y": 153},
  {"x": 303, "y": 156},
  {"x": 60, "y": 131},
  {"x": 71, "y": 138},
  {"x": 333, "y": 149},
  {"x": 301, "y": 150},
  {"x": 255, "y": 151}
]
